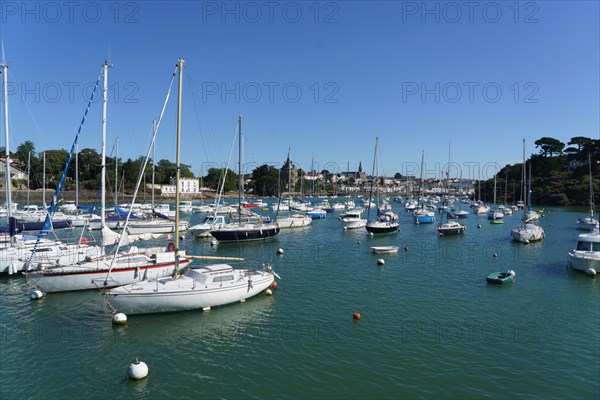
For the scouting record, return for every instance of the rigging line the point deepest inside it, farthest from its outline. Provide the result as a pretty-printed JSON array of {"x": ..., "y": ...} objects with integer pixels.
[
  {"x": 48, "y": 221},
  {"x": 142, "y": 170},
  {"x": 196, "y": 113},
  {"x": 26, "y": 107}
]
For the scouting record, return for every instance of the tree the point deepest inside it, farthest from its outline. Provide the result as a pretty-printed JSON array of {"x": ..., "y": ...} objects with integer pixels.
[
  {"x": 580, "y": 142},
  {"x": 265, "y": 180},
  {"x": 24, "y": 149},
  {"x": 548, "y": 146},
  {"x": 214, "y": 177},
  {"x": 398, "y": 176}
]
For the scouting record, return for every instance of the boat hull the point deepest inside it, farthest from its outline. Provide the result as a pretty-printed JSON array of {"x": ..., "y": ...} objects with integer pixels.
[
  {"x": 245, "y": 234},
  {"x": 94, "y": 276},
  {"x": 500, "y": 278},
  {"x": 526, "y": 234},
  {"x": 584, "y": 260},
  {"x": 185, "y": 295}
]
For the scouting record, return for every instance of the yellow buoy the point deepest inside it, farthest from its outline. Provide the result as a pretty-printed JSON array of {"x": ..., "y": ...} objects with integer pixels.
[{"x": 268, "y": 292}]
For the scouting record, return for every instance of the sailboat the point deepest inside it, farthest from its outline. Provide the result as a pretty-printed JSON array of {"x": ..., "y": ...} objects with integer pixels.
[
  {"x": 496, "y": 216},
  {"x": 589, "y": 222},
  {"x": 450, "y": 227},
  {"x": 243, "y": 231},
  {"x": 422, "y": 215},
  {"x": 201, "y": 288},
  {"x": 116, "y": 269},
  {"x": 386, "y": 222},
  {"x": 527, "y": 231},
  {"x": 292, "y": 220}
]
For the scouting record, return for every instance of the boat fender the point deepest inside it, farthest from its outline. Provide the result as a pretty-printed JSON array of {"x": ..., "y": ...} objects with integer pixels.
[
  {"x": 590, "y": 272},
  {"x": 171, "y": 246},
  {"x": 83, "y": 241}
]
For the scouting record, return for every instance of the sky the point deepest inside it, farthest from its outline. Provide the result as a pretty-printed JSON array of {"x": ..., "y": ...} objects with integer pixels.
[{"x": 459, "y": 81}]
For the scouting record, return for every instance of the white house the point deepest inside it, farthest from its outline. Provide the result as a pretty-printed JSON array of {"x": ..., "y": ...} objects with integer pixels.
[{"x": 186, "y": 186}]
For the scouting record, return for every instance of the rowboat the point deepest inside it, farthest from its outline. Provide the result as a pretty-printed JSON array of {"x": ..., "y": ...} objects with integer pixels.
[
  {"x": 501, "y": 277},
  {"x": 384, "y": 249}
]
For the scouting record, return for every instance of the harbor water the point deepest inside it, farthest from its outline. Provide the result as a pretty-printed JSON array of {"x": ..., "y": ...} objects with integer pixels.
[{"x": 430, "y": 326}]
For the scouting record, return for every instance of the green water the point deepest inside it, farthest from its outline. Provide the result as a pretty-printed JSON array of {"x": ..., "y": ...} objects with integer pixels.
[{"x": 431, "y": 327}]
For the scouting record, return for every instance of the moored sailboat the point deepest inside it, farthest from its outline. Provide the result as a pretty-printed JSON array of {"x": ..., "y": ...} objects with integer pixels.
[{"x": 209, "y": 286}]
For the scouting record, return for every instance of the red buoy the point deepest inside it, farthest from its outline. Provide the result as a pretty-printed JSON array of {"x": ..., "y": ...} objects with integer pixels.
[
  {"x": 356, "y": 315},
  {"x": 274, "y": 284}
]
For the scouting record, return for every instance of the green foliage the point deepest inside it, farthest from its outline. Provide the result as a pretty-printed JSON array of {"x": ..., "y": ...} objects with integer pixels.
[
  {"x": 548, "y": 146},
  {"x": 265, "y": 181},
  {"x": 215, "y": 175}
]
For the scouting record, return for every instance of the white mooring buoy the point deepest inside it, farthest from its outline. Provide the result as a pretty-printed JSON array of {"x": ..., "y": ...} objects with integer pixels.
[
  {"x": 36, "y": 295},
  {"x": 381, "y": 261},
  {"x": 137, "y": 370},
  {"x": 119, "y": 319},
  {"x": 280, "y": 251},
  {"x": 590, "y": 272}
]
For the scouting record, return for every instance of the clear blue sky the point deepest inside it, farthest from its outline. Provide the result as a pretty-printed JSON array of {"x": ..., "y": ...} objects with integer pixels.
[{"x": 418, "y": 75}]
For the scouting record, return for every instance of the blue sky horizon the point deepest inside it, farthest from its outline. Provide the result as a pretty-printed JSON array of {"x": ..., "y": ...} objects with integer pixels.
[{"x": 324, "y": 78}]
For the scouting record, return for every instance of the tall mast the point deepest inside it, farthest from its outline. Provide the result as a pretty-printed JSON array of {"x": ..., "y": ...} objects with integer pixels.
[
  {"x": 524, "y": 179},
  {"x": 591, "y": 186},
  {"x": 44, "y": 181},
  {"x": 240, "y": 177},
  {"x": 153, "y": 161},
  {"x": 177, "y": 163},
  {"x": 117, "y": 172},
  {"x": 103, "y": 158},
  {"x": 28, "y": 173},
  {"x": 6, "y": 146},
  {"x": 76, "y": 174}
]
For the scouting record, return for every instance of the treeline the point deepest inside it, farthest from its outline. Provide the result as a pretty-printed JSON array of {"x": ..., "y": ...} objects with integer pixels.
[
  {"x": 559, "y": 174},
  {"x": 90, "y": 163}
]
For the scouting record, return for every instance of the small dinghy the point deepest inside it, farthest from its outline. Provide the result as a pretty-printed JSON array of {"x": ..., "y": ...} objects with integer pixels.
[
  {"x": 501, "y": 277},
  {"x": 384, "y": 249}
]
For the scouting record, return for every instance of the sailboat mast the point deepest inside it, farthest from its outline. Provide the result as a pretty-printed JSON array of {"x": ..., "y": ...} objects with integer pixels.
[
  {"x": 240, "y": 176},
  {"x": 6, "y": 147},
  {"x": 44, "y": 181},
  {"x": 76, "y": 174},
  {"x": 524, "y": 180},
  {"x": 28, "y": 174},
  {"x": 153, "y": 162},
  {"x": 103, "y": 157},
  {"x": 117, "y": 172},
  {"x": 591, "y": 186},
  {"x": 178, "y": 163}
]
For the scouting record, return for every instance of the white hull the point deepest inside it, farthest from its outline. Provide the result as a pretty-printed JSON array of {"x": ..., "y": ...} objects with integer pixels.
[
  {"x": 354, "y": 223},
  {"x": 157, "y": 226},
  {"x": 527, "y": 233},
  {"x": 294, "y": 222},
  {"x": 128, "y": 269},
  {"x": 583, "y": 260},
  {"x": 14, "y": 259},
  {"x": 189, "y": 292}
]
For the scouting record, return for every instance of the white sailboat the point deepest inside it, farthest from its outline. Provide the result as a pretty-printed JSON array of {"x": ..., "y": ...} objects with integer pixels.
[
  {"x": 527, "y": 231},
  {"x": 209, "y": 286},
  {"x": 108, "y": 270}
]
